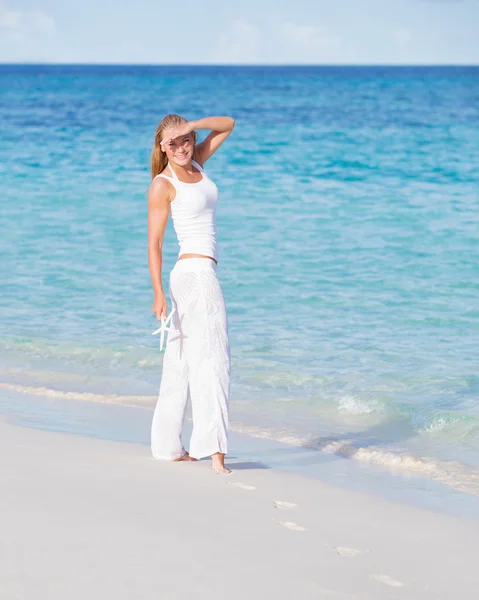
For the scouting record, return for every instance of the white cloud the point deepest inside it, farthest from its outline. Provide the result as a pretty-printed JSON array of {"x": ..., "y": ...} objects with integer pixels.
[
  {"x": 311, "y": 38},
  {"x": 243, "y": 42},
  {"x": 19, "y": 24},
  {"x": 239, "y": 43}
]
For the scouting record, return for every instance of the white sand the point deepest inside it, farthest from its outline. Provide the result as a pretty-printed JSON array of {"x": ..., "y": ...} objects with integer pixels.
[{"x": 83, "y": 518}]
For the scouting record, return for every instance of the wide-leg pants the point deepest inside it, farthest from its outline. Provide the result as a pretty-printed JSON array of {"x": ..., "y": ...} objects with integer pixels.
[{"x": 196, "y": 365}]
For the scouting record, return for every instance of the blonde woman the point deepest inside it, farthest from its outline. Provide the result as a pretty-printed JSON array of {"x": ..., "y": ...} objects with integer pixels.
[{"x": 196, "y": 363}]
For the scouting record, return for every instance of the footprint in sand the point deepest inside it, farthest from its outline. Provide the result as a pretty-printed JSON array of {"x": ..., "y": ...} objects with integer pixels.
[
  {"x": 284, "y": 505},
  {"x": 348, "y": 552},
  {"x": 291, "y": 525},
  {"x": 386, "y": 580},
  {"x": 242, "y": 486}
]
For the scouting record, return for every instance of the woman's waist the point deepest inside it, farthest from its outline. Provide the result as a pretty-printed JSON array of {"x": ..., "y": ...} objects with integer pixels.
[
  {"x": 183, "y": 256},
  {"x": 193, "y": 262}
]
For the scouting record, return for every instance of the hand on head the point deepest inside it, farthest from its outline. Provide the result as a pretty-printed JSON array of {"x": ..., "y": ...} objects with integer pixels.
[{"x": 173, "y": 133}]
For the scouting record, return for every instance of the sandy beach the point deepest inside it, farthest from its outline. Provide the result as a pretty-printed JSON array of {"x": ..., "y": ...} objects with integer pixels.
[{"x": 84, "y": 517}]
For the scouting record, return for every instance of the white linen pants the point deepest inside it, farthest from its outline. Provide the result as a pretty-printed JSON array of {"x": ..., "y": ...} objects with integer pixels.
[{"x": 196, "y": 365}]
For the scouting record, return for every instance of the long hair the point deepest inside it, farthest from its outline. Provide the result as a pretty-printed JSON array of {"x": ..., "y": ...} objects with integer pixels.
[{"x": 159, "y": 160}]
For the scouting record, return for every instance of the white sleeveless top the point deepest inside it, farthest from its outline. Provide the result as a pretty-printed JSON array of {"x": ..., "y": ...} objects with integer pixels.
[{"x": 193, "y": 212}]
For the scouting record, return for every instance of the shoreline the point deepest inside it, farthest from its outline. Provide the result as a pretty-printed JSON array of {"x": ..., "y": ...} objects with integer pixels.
[
  {"x": 82, "y": 515},
  {"x": 131, "y": 424},
  {"x": 440, "y": 447}
]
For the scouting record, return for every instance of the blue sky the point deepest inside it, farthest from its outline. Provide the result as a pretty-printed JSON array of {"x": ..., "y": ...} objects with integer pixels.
[{"x": 243, "y": 32}]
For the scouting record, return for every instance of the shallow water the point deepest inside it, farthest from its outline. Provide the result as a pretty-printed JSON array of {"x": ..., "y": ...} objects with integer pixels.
[{"x": 348, "y": 233}]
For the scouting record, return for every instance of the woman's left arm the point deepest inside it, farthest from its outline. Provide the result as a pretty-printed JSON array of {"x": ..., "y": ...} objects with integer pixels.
[{"x": 220, "y": 127}]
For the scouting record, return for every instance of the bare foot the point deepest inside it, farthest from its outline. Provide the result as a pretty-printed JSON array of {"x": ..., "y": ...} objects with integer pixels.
[
  {"x": 184, "y": 458},
  {"x": 219, "y": 464},
  {"x": 222, "y": 470}
]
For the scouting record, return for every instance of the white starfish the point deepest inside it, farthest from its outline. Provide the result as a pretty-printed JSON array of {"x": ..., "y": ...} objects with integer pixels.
[{"x": 163, "y": 328}]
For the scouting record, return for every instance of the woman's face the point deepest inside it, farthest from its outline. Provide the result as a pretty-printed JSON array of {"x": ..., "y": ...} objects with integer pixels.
[{"x": 179, "y": 150}]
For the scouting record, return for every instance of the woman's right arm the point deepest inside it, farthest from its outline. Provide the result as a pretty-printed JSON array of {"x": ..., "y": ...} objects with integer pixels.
[{"x": 158, "y": 208}]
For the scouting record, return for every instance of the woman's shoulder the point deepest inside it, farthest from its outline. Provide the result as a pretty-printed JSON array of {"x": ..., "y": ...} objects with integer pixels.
[
  {"x": 160, "y": 188},
  {"x": 160, "y": 182}
]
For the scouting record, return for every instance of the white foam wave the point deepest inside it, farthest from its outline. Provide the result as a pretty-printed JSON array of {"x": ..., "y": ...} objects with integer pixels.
[
  {"x": 437, "y": 425},
  {"x": 450, "y": 473},
  {"x": 352, "y": 405},
  {"x": 83, "y": 396}
]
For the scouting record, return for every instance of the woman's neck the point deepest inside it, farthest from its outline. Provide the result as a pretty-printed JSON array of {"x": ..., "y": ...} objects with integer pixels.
[{"x": 180, "y": 170}]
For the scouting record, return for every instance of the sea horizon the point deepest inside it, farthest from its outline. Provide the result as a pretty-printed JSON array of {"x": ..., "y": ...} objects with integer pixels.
[{"x": 252, "y": 65}]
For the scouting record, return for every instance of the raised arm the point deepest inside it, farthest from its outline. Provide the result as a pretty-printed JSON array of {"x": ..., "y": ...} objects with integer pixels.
[
  {"x": 220, "y": 127},
  {"x": 158, "y": 208}
]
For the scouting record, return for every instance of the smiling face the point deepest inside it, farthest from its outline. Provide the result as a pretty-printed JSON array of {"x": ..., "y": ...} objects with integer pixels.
[{"x": 179, "y": 150}]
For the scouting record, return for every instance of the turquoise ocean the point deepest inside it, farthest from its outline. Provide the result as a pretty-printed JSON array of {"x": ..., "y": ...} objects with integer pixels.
[{"x": 348, "y": 227}]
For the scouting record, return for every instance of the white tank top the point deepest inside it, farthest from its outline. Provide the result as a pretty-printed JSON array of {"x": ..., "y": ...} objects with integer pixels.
[{"x": 193, "y": 212}]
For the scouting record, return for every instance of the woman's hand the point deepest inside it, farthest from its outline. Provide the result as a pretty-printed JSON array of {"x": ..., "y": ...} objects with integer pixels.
[
  {"x": 160, "y": 306},
  {"x": 175, "y": 132}
]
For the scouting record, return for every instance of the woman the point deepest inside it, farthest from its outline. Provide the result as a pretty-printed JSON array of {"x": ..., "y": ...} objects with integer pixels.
[{"x": 197, "y": 356}]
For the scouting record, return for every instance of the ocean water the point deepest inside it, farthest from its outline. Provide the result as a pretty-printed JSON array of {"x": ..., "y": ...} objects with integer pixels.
[{"x": 349, "y": 244}]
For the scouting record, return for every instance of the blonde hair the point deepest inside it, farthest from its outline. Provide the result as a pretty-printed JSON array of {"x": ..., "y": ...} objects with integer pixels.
[{"x": 159, "y": 160}]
